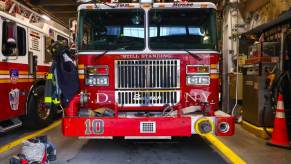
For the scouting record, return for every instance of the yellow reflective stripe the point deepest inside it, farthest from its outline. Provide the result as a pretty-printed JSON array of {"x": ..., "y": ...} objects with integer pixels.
[
  {"x": 51, "y": 100},
  {"x": 29, "y": 136},
  {"x": 56, "y": 101},
  {"x": 47, "y": 99},
  {"x": 49, "y": 76}
]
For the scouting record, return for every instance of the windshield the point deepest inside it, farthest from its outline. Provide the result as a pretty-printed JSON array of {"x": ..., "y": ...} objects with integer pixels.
[
  {"x": 115, "y": 29},
  {"x": 173, "y": 29}
]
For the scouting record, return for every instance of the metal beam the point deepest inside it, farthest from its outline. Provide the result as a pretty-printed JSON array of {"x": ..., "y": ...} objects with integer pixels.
[
  {"x": 52, "y": 2},
  {"x": 60, "y": 8},
  {"x": 64, "y": 12},
  {"x": 64, "y": 15},
  {"x": 57, "y": 5}
]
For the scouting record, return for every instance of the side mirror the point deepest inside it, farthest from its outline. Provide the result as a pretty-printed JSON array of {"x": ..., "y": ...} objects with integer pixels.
[
  {"x": 11, "y": 43},
  {"x": 10, "y": 47}
]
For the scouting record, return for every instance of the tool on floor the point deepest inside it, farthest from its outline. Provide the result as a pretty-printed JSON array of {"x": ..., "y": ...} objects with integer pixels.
[
  {"x": 36, "y": 150},
  {"x": 280, "y": 135}
]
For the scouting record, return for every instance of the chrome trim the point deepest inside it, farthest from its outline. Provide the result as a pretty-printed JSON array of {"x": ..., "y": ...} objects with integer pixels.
[
  {"x": 97, "y": 85},
  {"x": 147, "y": 127},
  {"x": 96, "y": 137},
  {"x": 127, "y": 98},
  {"x": 147, "y": 74},
  {"x": 197, "y": 84},
  {"x": 146, "y": 52},
  {"x": 147, "y": 137}
]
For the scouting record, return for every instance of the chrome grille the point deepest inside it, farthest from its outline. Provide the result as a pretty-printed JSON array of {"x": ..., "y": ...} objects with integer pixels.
[
  {"x": 147, "y": 98},
  {"x": 147, "y": 74}
]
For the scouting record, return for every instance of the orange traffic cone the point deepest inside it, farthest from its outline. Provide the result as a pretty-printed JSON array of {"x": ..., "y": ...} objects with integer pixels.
[{"x": 279, "y": 135}]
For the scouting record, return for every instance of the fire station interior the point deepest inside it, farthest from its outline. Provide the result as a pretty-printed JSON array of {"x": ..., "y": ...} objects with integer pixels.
[{"x": 145, "y": 81}]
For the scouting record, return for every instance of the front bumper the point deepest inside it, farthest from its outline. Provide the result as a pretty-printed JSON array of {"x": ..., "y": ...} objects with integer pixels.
[{"x": 141, "y": 126}]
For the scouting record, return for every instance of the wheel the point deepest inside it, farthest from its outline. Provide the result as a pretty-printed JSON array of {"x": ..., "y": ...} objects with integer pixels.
[{"x": 38, "y": 116}]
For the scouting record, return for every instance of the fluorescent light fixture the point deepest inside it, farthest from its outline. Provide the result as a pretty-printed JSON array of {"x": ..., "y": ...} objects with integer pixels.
[
  {"x": 46, "y": 17},
  {"x": 146, "y": 1},
  {"x": 83, "y": 1}
]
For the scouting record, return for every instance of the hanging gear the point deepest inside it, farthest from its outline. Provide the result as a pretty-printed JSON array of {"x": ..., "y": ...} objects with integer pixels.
[
  {"x": 67, "y": 76},
  {"x": 52, "y": 98},
  {"x": 62, "y": 81}
]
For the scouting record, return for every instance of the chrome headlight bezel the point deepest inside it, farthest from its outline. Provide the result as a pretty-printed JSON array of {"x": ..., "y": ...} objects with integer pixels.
[
  {"x": 97, "y": 81},
  {"x": 197, "y": 80}
]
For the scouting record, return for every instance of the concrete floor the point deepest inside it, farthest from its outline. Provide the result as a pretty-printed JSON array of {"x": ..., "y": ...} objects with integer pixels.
[
  {"x": 177, "y": 151},
  {"x": 13, "y": 135},
  {"x": 254, "y": 150}
]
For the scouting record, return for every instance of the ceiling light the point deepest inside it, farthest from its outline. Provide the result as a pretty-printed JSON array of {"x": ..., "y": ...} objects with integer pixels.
[{"x": 46, "y": 17}]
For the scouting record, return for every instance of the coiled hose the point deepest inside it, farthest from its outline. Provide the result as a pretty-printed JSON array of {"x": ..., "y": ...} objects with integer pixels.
[{"x": 276, "y": 87}]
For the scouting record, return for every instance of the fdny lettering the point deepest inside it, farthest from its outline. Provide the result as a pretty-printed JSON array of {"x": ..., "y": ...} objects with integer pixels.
[
  {"x": 197, "y": 96},
  {"x": 94, "y": 127},
  {"x": 145, "y": 56},
  {"x": 176, "y": 4},
  {"x": 101, "y": 98}
]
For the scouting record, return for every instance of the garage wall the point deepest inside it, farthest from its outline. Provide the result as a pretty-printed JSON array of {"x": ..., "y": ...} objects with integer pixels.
[{"x": 262, "y": 11}]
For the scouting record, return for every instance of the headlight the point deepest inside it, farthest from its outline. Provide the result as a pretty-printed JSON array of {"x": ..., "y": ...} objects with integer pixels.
[
  {"x": 97, "y": 75},
  {"x": 102, "y": 80},
  {"x": 97, "y": 81},
  {"x": 198, "y": 80}
]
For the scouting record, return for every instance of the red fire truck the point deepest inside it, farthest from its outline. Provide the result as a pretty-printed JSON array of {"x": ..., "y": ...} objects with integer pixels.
[
  {"x": 147, "y": 70},
  {"x": 24, "y": 62}
]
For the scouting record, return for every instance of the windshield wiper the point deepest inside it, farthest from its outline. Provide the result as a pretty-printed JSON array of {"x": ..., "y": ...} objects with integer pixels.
[
  {"x": 96, "y": 2},
  {"x": 104, "y": 3},
  {"x": 102, "y": 54},
  {"x": 193, "y": 55}
]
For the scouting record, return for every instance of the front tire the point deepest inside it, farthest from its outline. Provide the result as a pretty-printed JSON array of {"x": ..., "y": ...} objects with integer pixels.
[{"x": 38, "y": 116}]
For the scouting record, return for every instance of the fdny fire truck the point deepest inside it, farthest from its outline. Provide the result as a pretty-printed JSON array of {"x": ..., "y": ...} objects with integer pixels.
[
  {"x": 147, "y": 70},
  {"x": 24, "y": 62}
]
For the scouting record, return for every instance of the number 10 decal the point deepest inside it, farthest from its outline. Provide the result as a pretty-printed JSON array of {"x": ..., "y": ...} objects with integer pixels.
[{"x": 94, "y": 126}]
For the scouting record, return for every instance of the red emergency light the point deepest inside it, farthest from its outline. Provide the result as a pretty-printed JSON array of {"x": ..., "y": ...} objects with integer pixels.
[
  {"x": 197, "y": 69},
  {"x": 97, "y": 70},
  {"x": 102, "y": 70}
]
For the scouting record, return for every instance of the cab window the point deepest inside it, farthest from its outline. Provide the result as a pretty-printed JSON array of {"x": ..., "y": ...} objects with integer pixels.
[
  {"x": 48, "y": 55},
  {"x": 13, "y": 40}
]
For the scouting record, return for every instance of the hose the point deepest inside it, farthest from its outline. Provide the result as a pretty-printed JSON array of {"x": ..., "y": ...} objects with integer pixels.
[
  {"x": 276, "y": 87},
  {"x": 263, "y": 122},
  {"x": 167, "y": 110},
  {"x": 271, "y": 84}
]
